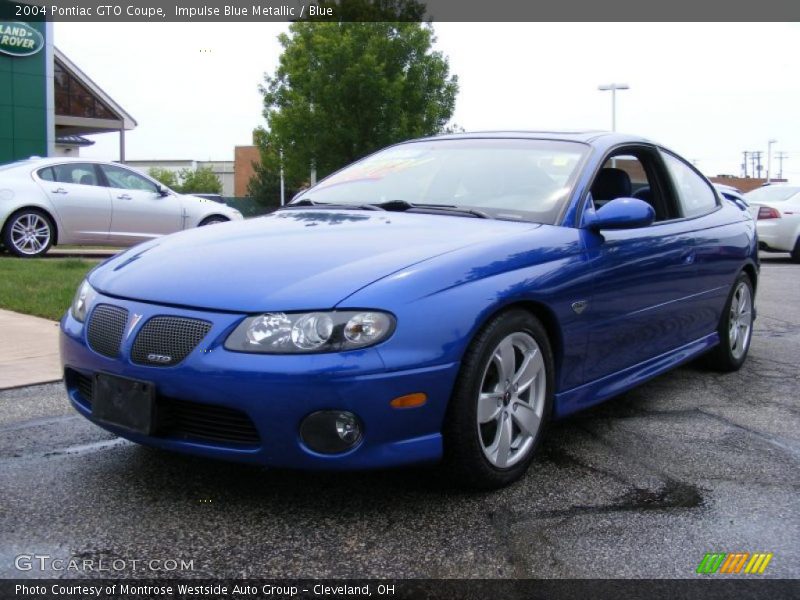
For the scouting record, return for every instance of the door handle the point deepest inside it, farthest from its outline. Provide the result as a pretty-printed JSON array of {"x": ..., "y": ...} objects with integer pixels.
[
  {"x": 60, "y": 191},
  {"x": 687, "y": 258},
  {"x": 124, "y": 197}
]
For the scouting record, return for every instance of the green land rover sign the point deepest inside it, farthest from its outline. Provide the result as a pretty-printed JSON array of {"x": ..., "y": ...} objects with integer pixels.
[{"x": 19, "y": 39}]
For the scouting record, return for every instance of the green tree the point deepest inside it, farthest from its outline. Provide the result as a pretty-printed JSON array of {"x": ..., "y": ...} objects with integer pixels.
[
  {"x": 200, "y": 181},
  {"x": 343, "y": 90},
  {"x": 165, "y": 177}
]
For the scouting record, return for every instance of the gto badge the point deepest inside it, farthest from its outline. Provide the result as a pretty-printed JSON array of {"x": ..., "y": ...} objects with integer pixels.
[
  {"x": 580, "y": 306},
  {"x": 159, "y": 358},
  {"x": 134, "y": 320}
]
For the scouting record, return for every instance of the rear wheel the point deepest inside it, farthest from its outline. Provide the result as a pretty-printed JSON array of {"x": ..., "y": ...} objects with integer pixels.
[
  {"x": 735, "y": 328},
  {"x": 796, "y": 251},
  {"x": 501, "y": 402},
  {"x": 28, "y": 233}
]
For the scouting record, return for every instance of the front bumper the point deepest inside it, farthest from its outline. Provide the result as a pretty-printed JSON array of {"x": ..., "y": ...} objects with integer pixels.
[{"x": 275, "y": 392}]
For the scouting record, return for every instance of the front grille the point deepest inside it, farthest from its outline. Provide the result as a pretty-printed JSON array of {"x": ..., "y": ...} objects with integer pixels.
[
  {"x": 191, "y": 420},
  {"x": 184, "y": 419},
  {"x": 106, "y": 328},
  {"x": 166, "y": 341}
]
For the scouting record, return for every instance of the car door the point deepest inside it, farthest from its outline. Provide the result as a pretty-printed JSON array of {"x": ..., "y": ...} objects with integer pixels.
[
  {"x": 721, "y": 242},
  {"x": 140, "y": 211},
  {"x": 643, "y": 278},
  {"x": 82, "y": 204}
]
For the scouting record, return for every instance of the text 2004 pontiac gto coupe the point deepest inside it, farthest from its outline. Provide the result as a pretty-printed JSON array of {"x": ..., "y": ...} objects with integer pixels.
[{"x": 439, "y": 300}]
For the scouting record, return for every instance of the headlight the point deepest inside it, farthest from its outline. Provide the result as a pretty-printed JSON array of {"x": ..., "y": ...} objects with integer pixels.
[
  {"x": 335, "y": 331},
  {"x": 83, "y": 298}
]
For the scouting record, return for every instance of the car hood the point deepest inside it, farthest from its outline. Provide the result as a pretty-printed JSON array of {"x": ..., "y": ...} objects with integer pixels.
[{"x": 289, "y": 260}]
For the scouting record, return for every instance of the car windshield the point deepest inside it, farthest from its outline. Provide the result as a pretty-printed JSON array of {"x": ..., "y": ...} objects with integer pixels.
[
  {"x": 503, "y": 178},
  {"x": 772, "y": 193}
]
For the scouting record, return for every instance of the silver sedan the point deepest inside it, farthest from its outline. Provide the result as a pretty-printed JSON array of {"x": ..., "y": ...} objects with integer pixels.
[{"x": 47, "y": 201}]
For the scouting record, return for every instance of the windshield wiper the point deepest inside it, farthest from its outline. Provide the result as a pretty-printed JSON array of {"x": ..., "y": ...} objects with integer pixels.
[
  {"x": 404, "y": 205},
  {"x": 308, "y": 202}
]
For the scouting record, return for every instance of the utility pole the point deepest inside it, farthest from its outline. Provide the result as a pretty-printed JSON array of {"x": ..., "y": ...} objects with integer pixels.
[
  {"x": 780, "y": 156},
  {"x": 769, "y": 157},
  {"x": 283, "y": 183},
  {"x": 758, "y": 163},
  {"x": 744, "y": 163}
]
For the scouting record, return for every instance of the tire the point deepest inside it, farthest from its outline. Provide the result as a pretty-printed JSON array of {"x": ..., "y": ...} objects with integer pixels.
[
  {"x": 735, "y": 328},
  {"x": 796, "y": 251},
  {"x": 212, "y": 220},
  {"x": 485, "y": 415},
  {"x": 28, "y": 233}
]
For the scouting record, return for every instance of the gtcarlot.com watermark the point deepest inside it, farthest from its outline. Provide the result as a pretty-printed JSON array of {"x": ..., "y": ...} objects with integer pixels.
[{"x": 48, "y": 563}]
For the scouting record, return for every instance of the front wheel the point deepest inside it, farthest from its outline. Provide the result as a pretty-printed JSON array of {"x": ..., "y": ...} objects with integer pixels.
[
  {"x": 735, "y": 328},
  {"x": 501, "y": 402},
  {"x": 28, "y": 233},
  {"x": 212, "y": 220}
]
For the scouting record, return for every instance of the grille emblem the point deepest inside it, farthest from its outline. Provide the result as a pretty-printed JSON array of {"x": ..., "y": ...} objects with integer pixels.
[
  {"x": 134, "y": 320},
  {"x": 159, "y": 358}
]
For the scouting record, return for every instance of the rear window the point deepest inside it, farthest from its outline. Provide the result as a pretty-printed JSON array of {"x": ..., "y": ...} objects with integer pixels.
[{"x": 770, "y": 193}]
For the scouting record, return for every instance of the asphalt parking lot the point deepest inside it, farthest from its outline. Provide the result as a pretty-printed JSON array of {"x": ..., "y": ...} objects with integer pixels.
[{"x": 643, "y": 486}]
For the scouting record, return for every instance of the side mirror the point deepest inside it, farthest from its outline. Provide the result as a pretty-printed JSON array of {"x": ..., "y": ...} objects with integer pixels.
[
  {"x": 162, "y": 191},
  {"x": 621, "y": 213}
]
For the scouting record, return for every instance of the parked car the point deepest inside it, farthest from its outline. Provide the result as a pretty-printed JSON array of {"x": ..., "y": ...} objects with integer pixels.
[
  {"x": 777, "y": 210},
  {"x": 733, "y": 194},
  {"x": 48, "y": 201},
  {"x": 441, "y": 299}
]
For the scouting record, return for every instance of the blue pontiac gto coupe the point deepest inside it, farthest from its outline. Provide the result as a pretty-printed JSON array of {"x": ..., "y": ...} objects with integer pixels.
[{"x": 439, "y": 300}]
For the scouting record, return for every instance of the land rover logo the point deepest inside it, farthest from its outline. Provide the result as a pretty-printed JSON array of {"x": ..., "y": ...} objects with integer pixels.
[
  {"x": 19, "y": 39},
  {"x": 159, "y": 358}
]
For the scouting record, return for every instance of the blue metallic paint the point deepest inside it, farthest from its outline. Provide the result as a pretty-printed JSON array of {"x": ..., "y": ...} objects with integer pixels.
[{"x": 654, "y": 295}]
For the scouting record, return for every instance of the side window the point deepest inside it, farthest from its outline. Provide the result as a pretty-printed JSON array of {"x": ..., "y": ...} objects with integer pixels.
[
  {"x": 77, "y": 173},
  {"x": 46, "y": 174},
  {"x": 695, "y": 196},
  {"x": 127, "y": 180},
  {"x": 632, "y": 173}
]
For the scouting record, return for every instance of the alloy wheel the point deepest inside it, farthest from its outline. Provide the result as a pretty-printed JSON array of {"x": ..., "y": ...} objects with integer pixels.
[
  {"x": 30, "y": 233},
  {"x": 511, "y": 400},
  {"x": 740, "y": 320}
]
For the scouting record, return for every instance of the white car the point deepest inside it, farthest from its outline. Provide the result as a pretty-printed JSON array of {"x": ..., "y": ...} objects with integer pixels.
[
  {"x": 48, "y": 201},
  {"x": 777, "y": 210}
]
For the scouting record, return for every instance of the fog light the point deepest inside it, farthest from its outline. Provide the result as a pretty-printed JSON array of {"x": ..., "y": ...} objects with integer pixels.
[{"x": 330, "y": 431}]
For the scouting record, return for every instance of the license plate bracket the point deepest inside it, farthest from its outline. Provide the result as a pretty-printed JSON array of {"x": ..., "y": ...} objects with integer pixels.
[{"x": 126, "y": 403}]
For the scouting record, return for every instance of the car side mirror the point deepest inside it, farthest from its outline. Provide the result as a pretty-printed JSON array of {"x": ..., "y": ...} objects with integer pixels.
[
  {"x": 620, "y": 213},
  {"x": 162, "y": 191}
]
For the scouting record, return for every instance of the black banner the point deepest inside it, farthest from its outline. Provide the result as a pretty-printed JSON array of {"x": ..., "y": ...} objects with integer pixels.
[
  {"x": 398, "y": 10},
  {"x": 741, "y": 588}
]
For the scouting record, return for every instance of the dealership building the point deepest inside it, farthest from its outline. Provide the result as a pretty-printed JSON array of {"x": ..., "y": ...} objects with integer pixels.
[{"x": 47, "y": 104}]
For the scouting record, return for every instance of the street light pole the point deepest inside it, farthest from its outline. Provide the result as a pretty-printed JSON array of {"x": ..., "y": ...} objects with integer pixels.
[
  {"x": 769, "y": 157},
  {"x": 613, "y": 87}
]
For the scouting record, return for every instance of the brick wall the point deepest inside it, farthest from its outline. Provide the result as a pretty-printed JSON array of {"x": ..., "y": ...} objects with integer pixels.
[
  {"x": 744, "y": 184},
  {"x": 243, "y": 159}
]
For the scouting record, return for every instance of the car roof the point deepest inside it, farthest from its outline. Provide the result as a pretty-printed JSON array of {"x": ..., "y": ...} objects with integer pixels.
[
  {"x": 586, "y": 136},
  {"x": 53, "y": 160}
]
